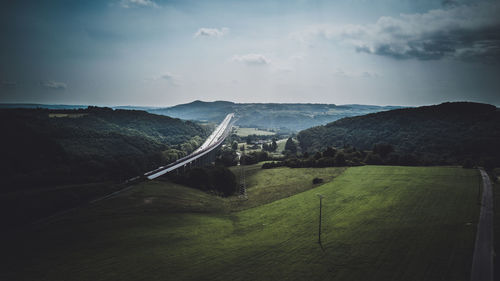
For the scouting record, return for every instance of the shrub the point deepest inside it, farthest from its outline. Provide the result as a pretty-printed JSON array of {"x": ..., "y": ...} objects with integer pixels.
[
  {"x": 271, "y": 165},
  {"x": 317, "y": 180}
]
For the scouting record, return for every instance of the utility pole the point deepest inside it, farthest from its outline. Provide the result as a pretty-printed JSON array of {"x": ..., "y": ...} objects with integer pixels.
[
  {"x": 319, "y": 227},
  {"x": 243, "y": 188}
]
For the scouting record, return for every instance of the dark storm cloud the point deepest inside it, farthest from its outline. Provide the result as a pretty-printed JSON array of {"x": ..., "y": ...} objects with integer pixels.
[
  {"x": 482, "y": 44},
  {"x": 465, "y": 32}
]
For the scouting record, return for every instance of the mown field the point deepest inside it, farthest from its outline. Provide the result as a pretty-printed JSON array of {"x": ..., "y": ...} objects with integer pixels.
[
  {"x": 243, "y": 132},
  {"x": 379, "y": 223}
]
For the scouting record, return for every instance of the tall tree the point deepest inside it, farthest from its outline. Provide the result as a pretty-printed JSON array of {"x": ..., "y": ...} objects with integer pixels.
[{"x": 291, "y": 146}]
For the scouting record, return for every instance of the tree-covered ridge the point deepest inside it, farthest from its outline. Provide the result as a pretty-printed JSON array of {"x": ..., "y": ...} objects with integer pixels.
[
  {"x": 284, "y": 116},
  {"x": 448, "y": 133},
  {"x": 43, "y": 146}
]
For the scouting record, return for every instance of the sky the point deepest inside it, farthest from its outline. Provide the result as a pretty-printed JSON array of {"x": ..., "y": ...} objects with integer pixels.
[{"x": 162, "y": 52}]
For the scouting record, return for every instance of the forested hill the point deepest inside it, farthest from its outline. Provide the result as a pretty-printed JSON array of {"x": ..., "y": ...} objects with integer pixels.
[
  {"x": 439, "y": 134},
  {"x": 284, "y": 116},
  {"x": 42, "y": 146}
]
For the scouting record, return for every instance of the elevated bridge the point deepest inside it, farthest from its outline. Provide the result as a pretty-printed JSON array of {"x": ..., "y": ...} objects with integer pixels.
[{"x": 205, "y": 154}]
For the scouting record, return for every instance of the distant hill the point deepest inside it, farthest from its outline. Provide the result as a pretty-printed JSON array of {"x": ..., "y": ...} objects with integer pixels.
[
  {"x": 42, "y": 146},
  {"x": 441, "y": 134},
  {"x": 285, "y": 116},
  {"x": 68, "y": 106},
  {"x": 37, "y": 105},
  {"x": 277, "y": 116}
]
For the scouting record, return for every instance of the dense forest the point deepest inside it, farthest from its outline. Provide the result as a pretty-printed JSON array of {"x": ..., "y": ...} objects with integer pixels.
[
  {"x": 449, "y": 133},
  {"x": 45, "y": 147},
  {"x": 283, "y": 117}
]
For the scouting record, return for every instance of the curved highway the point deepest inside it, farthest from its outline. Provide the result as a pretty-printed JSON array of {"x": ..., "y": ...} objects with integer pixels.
[{"x": 213, "y": 141}]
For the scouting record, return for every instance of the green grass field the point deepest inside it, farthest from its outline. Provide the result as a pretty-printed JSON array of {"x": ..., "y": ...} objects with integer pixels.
[
  {"x": 379, "y": 223},
  {"x": 268, "y": 185},
  {"x": 243, "y": 132}
]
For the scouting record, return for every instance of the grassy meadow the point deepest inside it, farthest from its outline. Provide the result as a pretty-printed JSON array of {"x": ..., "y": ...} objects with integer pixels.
[
  {"x": 268, "y": 185},
  {"x": 379, "y": 223}
]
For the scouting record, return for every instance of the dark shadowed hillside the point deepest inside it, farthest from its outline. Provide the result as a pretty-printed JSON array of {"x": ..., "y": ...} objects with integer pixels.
[
  {"x": 43, "y": 147},
  {"x": 287, "y": 116},
  {"x": 440, "y": 134}
]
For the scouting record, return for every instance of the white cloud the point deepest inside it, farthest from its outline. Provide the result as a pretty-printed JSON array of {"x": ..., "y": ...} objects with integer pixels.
[
  {"x": 138, "y": 3},
  {"x": 463, "y": 32},
  {"x": 54, "y": 85},
  {"x": 355, "y": 74},
  {"x": 211, "y": 32},
  {"x": 251, "y": 59},
  {"x": 168, "y": 77}
]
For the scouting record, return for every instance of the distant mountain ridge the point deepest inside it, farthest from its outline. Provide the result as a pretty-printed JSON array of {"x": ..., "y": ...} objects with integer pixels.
[
  {"x": 287, "y": 116},
  {"x": 447, "y": 133}
]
